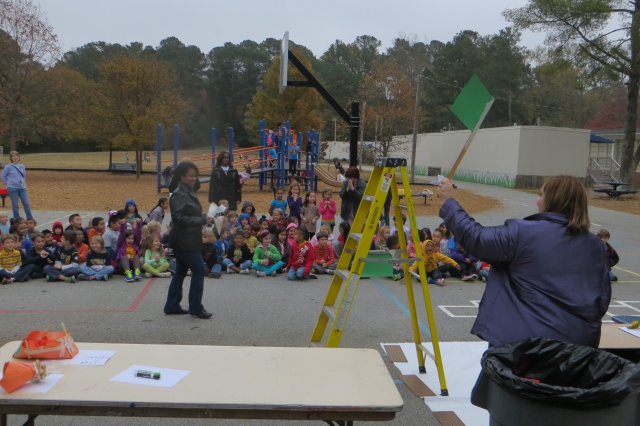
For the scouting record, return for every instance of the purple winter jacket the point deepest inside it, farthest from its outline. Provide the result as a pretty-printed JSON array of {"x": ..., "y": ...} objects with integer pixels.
[
  {"x": 543, "y": 282},
  {"x": 122, "y": 246}
]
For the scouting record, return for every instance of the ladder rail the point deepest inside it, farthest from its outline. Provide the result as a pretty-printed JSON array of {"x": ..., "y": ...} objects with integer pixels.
[
  {"x": 426, "y": 294},
  {"x": 402, "y": 238}
]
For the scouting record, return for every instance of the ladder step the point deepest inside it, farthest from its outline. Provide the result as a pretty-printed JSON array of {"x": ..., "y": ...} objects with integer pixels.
[
  {"x": 330, "y": 311},
  {"x": 342, "y": 273},
  {"x": 376, "y": 260},
  {"x": 356, "y": 236},
  {"x": 424, "y": 349}
]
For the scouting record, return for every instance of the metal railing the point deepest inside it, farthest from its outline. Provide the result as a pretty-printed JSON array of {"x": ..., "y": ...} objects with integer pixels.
[{"x": 603, "y": 169}]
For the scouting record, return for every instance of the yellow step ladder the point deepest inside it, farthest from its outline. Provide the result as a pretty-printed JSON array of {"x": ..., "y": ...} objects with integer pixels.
[{"x": 346, "y": 278}]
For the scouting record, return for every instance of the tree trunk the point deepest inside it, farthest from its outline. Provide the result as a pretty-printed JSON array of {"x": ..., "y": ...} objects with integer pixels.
[
  {"x": 12, "y": 134},
  {"x": 138, "y": 163},
  {"x": 629, "y": 161}
]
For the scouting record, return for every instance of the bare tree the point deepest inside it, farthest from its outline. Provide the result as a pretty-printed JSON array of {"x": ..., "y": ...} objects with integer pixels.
[{"x": 28, "y": 47}]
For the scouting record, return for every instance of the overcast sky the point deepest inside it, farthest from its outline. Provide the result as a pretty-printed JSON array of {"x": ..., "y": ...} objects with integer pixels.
[{"x": 314, "y": 24}]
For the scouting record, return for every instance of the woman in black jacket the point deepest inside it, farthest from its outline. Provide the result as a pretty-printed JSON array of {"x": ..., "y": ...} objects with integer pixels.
[
  {"x": 225, "y": 182},
  {"x": 186, "y": 241}
]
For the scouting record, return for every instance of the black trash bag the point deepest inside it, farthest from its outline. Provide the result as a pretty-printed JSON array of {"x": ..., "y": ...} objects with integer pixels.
[{"x": 557, "y": 373}]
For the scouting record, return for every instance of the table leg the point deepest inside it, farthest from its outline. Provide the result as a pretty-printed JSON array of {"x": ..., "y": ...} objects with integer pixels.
[
  {"x": 3, "y": 420},
  {"x": 31, "y": 420}
]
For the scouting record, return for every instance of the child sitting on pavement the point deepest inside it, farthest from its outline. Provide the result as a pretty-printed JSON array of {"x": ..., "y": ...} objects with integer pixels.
[
  {"x": 325, "y": 258},
  {"x": 267, "y": 260},
  {"x": 11, "y": 261},
  {"x": 466, "y": 262},
  {"x": 128, "y": 255},
  {"x": 279, "y": 240},
  {"x": 252, "y": 240},
  {"x": 98, "y": 265},
  {"x": 65, "y": 267},
  {"x": 239, "y": 258},
  {"x": 56, "y": 232},
  {"x": 302, "y": 257},
  {"x": 83, "y": 249},
  {"x": 222, "y": 246},
  {"x": 4, "y": 223},
  {"x": 155, "y": 264},
  {"x": 430, "y": 258},
  {"x": 37, "y": 257},
  {"x": 210, "y": 254},
  {"x": 98, "y": 227}
]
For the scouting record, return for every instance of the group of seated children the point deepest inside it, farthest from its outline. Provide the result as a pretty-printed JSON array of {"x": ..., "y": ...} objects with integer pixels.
[
  {"x": 286, "y": 242},
  {"x": 440, "y": 254},
  {"x": 62, "y": 254}
]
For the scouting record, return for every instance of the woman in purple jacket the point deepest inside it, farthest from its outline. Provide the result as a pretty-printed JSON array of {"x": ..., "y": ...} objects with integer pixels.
[{"x": 549, "y": 274}]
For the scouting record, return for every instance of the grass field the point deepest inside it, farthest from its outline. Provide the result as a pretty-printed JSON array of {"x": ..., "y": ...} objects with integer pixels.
[{"x": 99, "y": 160}]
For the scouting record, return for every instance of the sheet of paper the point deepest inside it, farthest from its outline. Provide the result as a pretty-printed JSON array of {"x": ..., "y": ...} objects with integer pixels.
[
  {"x": 41, "y": 387},
  {"x": 88, "y": 357},
  {"x": 634, "y": 331},
  {"x": 168, "y": 377}
]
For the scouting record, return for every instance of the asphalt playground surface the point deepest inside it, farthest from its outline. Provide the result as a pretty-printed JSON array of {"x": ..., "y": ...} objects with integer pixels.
[{"x": 251, "y": 311}]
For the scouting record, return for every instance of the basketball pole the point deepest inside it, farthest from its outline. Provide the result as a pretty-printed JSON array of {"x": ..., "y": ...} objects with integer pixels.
[{"x": 352, "y": 120}]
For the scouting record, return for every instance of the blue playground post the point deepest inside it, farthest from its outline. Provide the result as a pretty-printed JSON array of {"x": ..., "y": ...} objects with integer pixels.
[
  {"x": 230, "y": 144},
  {"x": 159, "y": 156},
  {"x": 176, "y": 129},
  {"x": 262, "y": 177},
  {"x": 213, "y": 145},
  {"x": 284, "y": 153},
  {"x": 316, "y": 160}
]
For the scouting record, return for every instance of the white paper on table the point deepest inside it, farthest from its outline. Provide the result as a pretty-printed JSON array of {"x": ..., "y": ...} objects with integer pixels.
[
  {"x": 89, "y": 357},
  {"x": 168, "y": 377},
  {"x": 634, "y": 331},
  {"x": 43, "y": 386}
]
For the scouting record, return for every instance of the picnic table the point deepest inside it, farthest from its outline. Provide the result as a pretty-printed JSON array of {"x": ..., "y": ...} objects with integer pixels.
[{"x": 613, "y": 191}]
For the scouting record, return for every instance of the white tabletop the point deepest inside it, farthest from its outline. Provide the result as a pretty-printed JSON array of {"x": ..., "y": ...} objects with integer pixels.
[{"x": 246, "y": 380}]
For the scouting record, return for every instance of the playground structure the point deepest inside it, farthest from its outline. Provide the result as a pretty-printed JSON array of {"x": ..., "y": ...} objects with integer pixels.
[{"x": 256, "y": 160}]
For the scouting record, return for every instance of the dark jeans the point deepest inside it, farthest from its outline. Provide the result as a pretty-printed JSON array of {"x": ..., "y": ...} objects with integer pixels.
[
  {"x": 435, "y": 274},
  {"x": 186, "y": 260},
  {"x": 467, "y": 268}
]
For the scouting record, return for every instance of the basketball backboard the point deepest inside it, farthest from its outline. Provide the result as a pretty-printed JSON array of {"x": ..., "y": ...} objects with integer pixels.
[{"x": 284, "y": 61}]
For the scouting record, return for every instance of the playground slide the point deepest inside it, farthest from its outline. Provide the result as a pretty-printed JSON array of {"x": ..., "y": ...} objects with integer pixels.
[{"x": 326, "y": 177}]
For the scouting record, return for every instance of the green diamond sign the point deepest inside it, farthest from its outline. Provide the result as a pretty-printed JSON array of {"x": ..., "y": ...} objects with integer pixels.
[{"x": 471, "y": 103}]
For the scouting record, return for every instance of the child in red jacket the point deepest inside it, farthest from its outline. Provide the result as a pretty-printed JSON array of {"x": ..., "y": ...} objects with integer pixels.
[{"x": 302, "y": 257}]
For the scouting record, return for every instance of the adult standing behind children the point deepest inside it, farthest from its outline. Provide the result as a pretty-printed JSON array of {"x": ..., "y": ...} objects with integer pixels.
[
  {"x": 14, "y": 177},
  {"x": 186, "y": 241},
  {"x": 225, "y": 182},
  {"x": 351, "y": 193},
  {"x": 532, "y": 292}
]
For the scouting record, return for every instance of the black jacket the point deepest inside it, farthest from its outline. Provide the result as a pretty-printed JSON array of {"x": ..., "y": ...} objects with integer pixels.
[
  {"x": 243, "y": 251},
  {"x": 187, "y": 220},
  {"x": 225, "y": 186}
]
